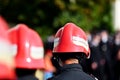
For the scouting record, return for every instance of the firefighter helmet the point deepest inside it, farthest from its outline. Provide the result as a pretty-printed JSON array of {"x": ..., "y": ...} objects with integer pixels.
[
  {"x": 30, "y": 50},
  {"x": 71, "y": 38}
]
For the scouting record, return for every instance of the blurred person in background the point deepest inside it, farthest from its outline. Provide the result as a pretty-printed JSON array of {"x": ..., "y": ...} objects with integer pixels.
[
  {"x": 116, "y": 55},
  {"x": 89, "y": 36},
  {"x": 96, "y": 59},
  {"x": 70, "y": 47},
  {"x": 29, "y": 52},
  {"x": 49, "y": 68},
  {"x": 106, "y": 51},
  {"x": 7, "y": 64}
]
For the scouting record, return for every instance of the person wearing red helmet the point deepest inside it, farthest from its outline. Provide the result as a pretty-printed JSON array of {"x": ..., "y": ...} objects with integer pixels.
[
  {"x": 28, "y": 51},
  {"x": 70, "y": 47}
]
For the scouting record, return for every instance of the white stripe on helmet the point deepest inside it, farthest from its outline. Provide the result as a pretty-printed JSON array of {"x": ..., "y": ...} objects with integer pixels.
[{"x": 80, "y": 42}]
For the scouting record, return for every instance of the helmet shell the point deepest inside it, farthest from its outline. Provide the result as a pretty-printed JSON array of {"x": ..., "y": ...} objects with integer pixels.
[
  {"x": 30, "y": 51},
  {"x": 71, "y": 38}
]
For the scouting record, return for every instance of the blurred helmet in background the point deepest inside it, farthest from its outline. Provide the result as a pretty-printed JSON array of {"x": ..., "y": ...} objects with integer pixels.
[{"x": 29, "y": 45}]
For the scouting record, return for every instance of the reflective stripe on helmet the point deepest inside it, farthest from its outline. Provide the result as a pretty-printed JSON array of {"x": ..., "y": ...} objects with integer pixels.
[
  {"x": 76, "y": 40},
  {"x": 37, "y": 52},
  {"x": 56, "y": 41},
  {"x": 80, "y": 42},
  {"x": 14, "y": 48}
]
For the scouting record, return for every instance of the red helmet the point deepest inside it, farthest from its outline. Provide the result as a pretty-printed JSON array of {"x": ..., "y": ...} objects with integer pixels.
[
  {"x": 71, "y": 38},
  {"x": 7, "y": 64},
  {"x": 30, "y": 50}
]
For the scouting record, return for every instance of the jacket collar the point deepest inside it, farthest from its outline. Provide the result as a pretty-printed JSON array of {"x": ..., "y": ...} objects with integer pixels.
[{"x": 71, "y": 67}]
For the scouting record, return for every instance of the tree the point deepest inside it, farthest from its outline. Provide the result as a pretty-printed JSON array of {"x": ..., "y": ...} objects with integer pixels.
[{"x": 47, "y": 16}]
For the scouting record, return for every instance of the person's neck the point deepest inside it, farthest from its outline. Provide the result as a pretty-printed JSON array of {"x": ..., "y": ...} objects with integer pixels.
[{"x": 71, "y": 61}]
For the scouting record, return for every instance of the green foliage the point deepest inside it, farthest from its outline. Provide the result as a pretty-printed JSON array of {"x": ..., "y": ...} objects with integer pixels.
[
  {"x": 78, "y": 19},
  {"x": 87, "y": 14},
  {"x": 47, "y": 16}
]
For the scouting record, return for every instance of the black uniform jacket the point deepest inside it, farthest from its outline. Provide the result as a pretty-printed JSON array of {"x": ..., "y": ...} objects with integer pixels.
[{"x": 72, "y": 72}]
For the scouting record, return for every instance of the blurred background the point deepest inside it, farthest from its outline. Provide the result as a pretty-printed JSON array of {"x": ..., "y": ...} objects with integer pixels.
[
  {"x": 47, "y": 16},
  {"x": 100, "y": 19}
]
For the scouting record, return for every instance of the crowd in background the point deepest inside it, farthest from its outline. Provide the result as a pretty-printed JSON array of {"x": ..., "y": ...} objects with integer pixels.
[{"x": 104, "y": 62}]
